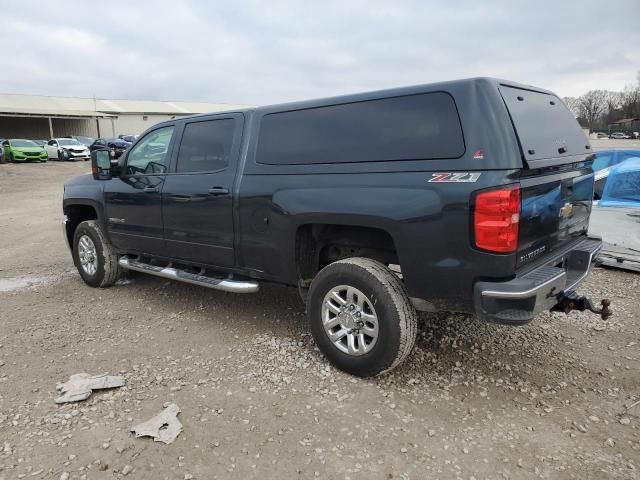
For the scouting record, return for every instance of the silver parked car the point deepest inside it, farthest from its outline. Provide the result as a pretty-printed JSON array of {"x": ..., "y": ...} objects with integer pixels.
[{"x": 619, "y": 136}]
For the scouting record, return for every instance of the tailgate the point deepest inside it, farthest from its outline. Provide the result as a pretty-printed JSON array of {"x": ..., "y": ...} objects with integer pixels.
[{"x": 554, "y": 211}]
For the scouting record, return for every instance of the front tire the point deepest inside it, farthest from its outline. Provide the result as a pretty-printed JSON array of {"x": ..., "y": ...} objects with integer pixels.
[
  {"x": 94, "y": 256},
  {"x": 361, "y": 317}
]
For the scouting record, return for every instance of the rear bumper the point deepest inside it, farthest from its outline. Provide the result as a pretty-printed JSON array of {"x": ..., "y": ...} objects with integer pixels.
[{"x": 518, "y": 301}]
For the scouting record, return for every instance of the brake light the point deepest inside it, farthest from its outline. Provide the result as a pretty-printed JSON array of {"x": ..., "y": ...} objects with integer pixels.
[{"x": 496, "y": 218}]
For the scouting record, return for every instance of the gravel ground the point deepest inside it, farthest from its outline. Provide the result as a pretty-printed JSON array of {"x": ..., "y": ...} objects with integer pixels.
[{"x": 555, "y": 399}]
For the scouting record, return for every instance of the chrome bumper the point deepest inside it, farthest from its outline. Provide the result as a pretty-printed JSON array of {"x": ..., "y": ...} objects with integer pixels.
[{"x": 519, "y": 300}]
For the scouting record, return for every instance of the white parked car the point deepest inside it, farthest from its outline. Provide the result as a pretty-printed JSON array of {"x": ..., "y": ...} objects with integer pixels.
[
  {"x": 67, "y": 149},
  {"x": 619, "y": 136}
]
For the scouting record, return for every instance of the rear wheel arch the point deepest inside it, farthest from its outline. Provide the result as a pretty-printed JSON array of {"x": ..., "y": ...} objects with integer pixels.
[{"x": 320, "y": 244}]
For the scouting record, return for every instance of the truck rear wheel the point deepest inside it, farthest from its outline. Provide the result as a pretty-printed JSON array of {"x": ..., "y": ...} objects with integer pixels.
[
  {"x": 93, "y": 255},
  {"x": 360, "y": 316}
]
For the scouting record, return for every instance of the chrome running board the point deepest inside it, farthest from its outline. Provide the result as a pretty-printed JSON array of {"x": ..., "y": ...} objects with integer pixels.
[{"x": 224, "y": 284}]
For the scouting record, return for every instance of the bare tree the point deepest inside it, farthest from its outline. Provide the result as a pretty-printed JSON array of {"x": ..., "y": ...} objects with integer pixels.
[
  {"x": 614, "y": 101},
  {"x": 592, "y": 105},
  {"x": 573, "y": 104},
  {"x": 631, "y": 102}
]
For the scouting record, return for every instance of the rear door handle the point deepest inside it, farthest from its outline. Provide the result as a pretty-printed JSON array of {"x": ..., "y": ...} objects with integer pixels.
[
  {"x": 150, "y": 190},
  {"x": 181, "y": 198},
  {"x": 218, "y": 191}
]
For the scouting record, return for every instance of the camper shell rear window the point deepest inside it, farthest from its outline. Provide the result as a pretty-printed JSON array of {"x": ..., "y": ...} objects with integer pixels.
[{"x": 544, "y": 125}]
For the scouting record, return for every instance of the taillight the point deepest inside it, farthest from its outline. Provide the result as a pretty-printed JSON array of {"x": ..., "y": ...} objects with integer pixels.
[{"x": 495, "y": 219}]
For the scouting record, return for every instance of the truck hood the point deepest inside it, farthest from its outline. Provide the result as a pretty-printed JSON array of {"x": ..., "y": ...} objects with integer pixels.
[{"x": 79, "y": 180}]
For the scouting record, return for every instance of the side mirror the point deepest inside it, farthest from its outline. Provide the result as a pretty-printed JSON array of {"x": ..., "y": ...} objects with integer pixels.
[{"x": 101, "y": 165}]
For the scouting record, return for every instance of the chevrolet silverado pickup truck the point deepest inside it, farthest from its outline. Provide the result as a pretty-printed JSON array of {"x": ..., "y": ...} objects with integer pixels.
[{"x": 469, "y": 196}]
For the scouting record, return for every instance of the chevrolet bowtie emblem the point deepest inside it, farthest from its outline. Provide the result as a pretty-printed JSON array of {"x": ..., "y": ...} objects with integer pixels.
[{"x": 565, "y": 211}]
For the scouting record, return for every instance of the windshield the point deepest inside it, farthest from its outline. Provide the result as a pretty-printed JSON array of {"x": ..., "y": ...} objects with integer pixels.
[
  {"x": 129, "y": 138},
  {"x": 23, "y": 143},
  {"x": 85, "y": 140},
  {"x": 69, "y": 142}
]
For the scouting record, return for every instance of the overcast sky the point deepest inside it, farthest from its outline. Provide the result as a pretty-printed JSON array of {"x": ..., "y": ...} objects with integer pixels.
[{"x": 261, "y": 52}]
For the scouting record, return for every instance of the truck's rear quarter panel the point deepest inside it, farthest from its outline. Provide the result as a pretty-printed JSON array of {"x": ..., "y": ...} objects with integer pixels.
[{"x": 429, "y": 224}]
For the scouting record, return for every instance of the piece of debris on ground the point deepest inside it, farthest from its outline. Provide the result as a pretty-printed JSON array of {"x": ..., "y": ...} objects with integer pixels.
[
  {"x": 164, "y": 427},
  {"x": 81, "y": 385}
]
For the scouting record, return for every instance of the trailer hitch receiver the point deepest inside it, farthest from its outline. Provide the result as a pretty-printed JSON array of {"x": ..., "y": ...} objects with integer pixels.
[{"x": 569, "y": 301}]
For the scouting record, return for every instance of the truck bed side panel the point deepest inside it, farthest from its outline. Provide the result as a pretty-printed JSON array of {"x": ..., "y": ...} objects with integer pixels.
[{"x": 428, "y": 222}]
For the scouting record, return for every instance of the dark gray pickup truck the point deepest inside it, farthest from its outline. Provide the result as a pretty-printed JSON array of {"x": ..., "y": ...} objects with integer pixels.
[{"x": 469, "y": 196}]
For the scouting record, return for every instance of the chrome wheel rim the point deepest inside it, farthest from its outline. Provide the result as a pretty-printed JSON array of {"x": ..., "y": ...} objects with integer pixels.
[
  {"x": 87, "y": 255},
  {"x": 349, "y": 320}
]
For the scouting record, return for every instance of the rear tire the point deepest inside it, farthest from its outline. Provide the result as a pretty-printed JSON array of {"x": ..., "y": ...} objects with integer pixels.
[
  {"x": 94, "y": 256},
  {"x": 374, "y": 336}
]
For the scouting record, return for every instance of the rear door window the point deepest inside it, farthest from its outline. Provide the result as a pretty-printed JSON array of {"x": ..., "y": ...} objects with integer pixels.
[
  {"x": 206, "y": 146},
  {"x": 545, "y": 126},
  {"x": 411, "y": 127}
]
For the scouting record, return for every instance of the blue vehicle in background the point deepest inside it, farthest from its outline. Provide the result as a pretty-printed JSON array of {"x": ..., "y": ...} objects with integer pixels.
[
  {"x": 605, "y": 159},
  {"x": 616, "y": 216},
  {"x": 116, "y": 146},
  {"x": 623, "y": 186},
  {"x": 609, "y": 158}
]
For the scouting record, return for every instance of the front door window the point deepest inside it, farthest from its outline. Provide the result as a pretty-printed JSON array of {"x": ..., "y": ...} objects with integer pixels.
[{"x": 151, "y": 155}]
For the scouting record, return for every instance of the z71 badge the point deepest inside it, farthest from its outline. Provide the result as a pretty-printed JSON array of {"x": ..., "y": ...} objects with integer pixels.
[{"x": 455, "y": 177}]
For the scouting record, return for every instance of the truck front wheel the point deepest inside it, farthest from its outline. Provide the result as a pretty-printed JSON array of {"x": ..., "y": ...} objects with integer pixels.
[
  {"x": 93, "y": 255},
  {"x": 361, "y": 317}
]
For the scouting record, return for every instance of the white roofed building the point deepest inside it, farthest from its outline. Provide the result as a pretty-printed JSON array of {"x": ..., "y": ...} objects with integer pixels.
[{"x": 44, "y": 117}]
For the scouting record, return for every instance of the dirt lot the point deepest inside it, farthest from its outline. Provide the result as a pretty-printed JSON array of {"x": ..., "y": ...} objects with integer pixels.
[
  {"x": 555, "y": 399},
  {"x": 607, "y": 143}
]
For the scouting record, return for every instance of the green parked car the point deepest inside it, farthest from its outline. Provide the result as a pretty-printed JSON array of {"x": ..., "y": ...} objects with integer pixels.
[{"x": 17, "y": 150}]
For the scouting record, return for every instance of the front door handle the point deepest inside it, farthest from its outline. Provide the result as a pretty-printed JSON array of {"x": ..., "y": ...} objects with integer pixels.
[
  {"x": 150, "y": 190},
  {"x": 218, "y": 191}
]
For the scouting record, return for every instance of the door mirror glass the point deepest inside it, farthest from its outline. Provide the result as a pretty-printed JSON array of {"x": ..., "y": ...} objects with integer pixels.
[{"x": 101, "y": 164}]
